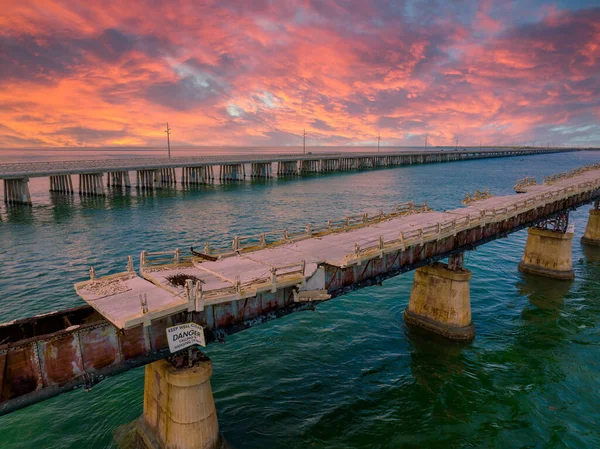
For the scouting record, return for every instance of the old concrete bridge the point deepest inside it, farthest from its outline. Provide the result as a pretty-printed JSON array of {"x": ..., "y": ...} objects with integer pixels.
[
  {"x": 231, "y": 287},
  {"x": 158, "y": 173}
]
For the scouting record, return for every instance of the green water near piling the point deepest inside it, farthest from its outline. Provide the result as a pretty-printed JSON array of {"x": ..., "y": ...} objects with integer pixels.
[{"x": 350, "y": 374}]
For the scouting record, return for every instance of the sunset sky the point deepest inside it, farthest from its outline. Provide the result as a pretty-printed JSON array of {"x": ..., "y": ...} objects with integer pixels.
[{"x": 108, "y": 73}]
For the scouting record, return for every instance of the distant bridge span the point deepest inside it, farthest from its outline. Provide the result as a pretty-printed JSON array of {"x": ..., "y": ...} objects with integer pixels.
[
  {"x": 260, "y": 278},
  {"x": 158, "y": 173}
]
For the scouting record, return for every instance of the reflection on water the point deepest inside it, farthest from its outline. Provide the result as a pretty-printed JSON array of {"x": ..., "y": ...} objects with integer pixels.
[{"x": 434, "y": 359}]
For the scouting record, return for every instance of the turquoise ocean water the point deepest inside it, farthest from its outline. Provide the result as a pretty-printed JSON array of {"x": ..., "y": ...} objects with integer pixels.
[{"x": 350, "y": 374}]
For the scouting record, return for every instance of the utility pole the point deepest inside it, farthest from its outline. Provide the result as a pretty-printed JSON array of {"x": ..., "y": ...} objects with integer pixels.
[
  {"x": 168, "y": 131},
  {"x": 303, "y": 141},
  {"x": 426, "y": 135},
  {"x": 378, "y": 140},
  {"x": 457, "y": 142}
]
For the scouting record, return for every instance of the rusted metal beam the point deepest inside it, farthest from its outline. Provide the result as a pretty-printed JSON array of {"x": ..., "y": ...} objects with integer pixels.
[{"x": 44, "y": 366}]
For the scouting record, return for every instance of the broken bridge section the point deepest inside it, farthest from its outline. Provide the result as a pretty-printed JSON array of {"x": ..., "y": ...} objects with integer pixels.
[{"x": 233, "y": 286}]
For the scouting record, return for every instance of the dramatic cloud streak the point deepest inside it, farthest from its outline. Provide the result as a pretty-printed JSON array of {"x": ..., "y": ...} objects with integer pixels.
[{"x": 257, "y": 72}]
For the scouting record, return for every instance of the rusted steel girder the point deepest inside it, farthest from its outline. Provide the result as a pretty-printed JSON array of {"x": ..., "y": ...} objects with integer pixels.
[
  {"x": 558, "y": 223},
  {"x": 44, "y": 356}
]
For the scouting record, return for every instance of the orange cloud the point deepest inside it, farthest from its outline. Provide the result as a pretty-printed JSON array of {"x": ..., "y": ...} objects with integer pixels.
[{"x": 253, "y": 72}]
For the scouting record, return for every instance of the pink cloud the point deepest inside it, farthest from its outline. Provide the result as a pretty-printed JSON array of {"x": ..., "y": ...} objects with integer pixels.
[{"x": 76, "y": 73}]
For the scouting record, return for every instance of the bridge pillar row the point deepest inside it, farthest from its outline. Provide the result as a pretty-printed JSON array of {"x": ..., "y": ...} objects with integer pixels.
[
  {"x": 90, "y": 184},
  {"x": 61, "y": 184},
  {"x": 179, "y": 409},
  {"x": 232, "y": 172},
  {"x": 548, "y": 251},
  {"x": 592, "y": 230},
  {"x": 16, "y": 191},
  {"x": 196, "y": 175},
  {"x": 261, "y": 170},
  {"x": 310, "y": 166},
  {"x": 287, "y": 168},
  {"x": 118, "y": 179},
  {"x": 148, "y": 179},
  {"x": 440, "y": 300},
  {"x": 329, "y": 165},
  {"x": 167, "y": 176}
]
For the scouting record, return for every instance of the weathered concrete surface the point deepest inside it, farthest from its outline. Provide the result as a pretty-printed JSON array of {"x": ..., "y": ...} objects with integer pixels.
[
  {"x": 592, "y": 230},
  {"x": 179, "y": 410},
  {"x": 440, "y": 302},
  {"x": 16, "y": 191},
  {"x": 548, "y": 253}
]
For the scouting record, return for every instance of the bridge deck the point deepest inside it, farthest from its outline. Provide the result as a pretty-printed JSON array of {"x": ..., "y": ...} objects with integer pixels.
[
  {"x": 53, "y": 168},
  {"x": 245, "y": 273}
]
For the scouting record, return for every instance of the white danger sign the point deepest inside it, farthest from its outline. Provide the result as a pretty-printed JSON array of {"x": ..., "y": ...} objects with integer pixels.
[{"x": 184, "y": 335}]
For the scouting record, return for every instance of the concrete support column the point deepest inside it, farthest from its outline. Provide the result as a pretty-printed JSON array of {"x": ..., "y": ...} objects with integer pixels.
[
  {"x": 194, "y": 175},
  {"x": 310, "y": 166},
  {"x": 329, "y": 165},
  {"x": 261, "y": 170},
  {"x": 287, "y": 168},
  {"x": 148, "y": 179},
  {"x": 166, "y": 176},
  {"x": 364, "y": 162},
  {"x": 548, "y": 253},
  {"x": 592, "y": 230},
  {"x": 440, "y": 302},
  {"x": 91, "y": 184},
  {"x": 179, "y": 410},
  {"x": 118, "y": 179},
  {"x": 232, "y": 172},
  {"x": 16, "y": 191},
  {"x": 61, "y": 184}
]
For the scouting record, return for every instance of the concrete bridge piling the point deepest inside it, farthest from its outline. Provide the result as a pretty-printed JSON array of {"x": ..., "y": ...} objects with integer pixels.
[
  {"x": 440, "y": 300},
  {"x": 287, "y": 168},
  {"x": 118, "y": 179},
  {"x": 148, "y": 180},
  {"x": 61, "y": 184},
  {"x": 179, "y": 409},
  {"x": 310, "y": 166},
  {"x": 91, "y": 184},
  {"x": 232, "y": 172},
  {"x": 167, "y": 176},
  {"x": 261, "y": 170},
  {"x": 592, "y": 231},
  {"x": 365, "y": 162},
  {"x": 16, "y": 191},
  {"x": 548, "y": 251},
  {"x": 330, "y": 165},
  {"x": 197, "y": 175}
]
